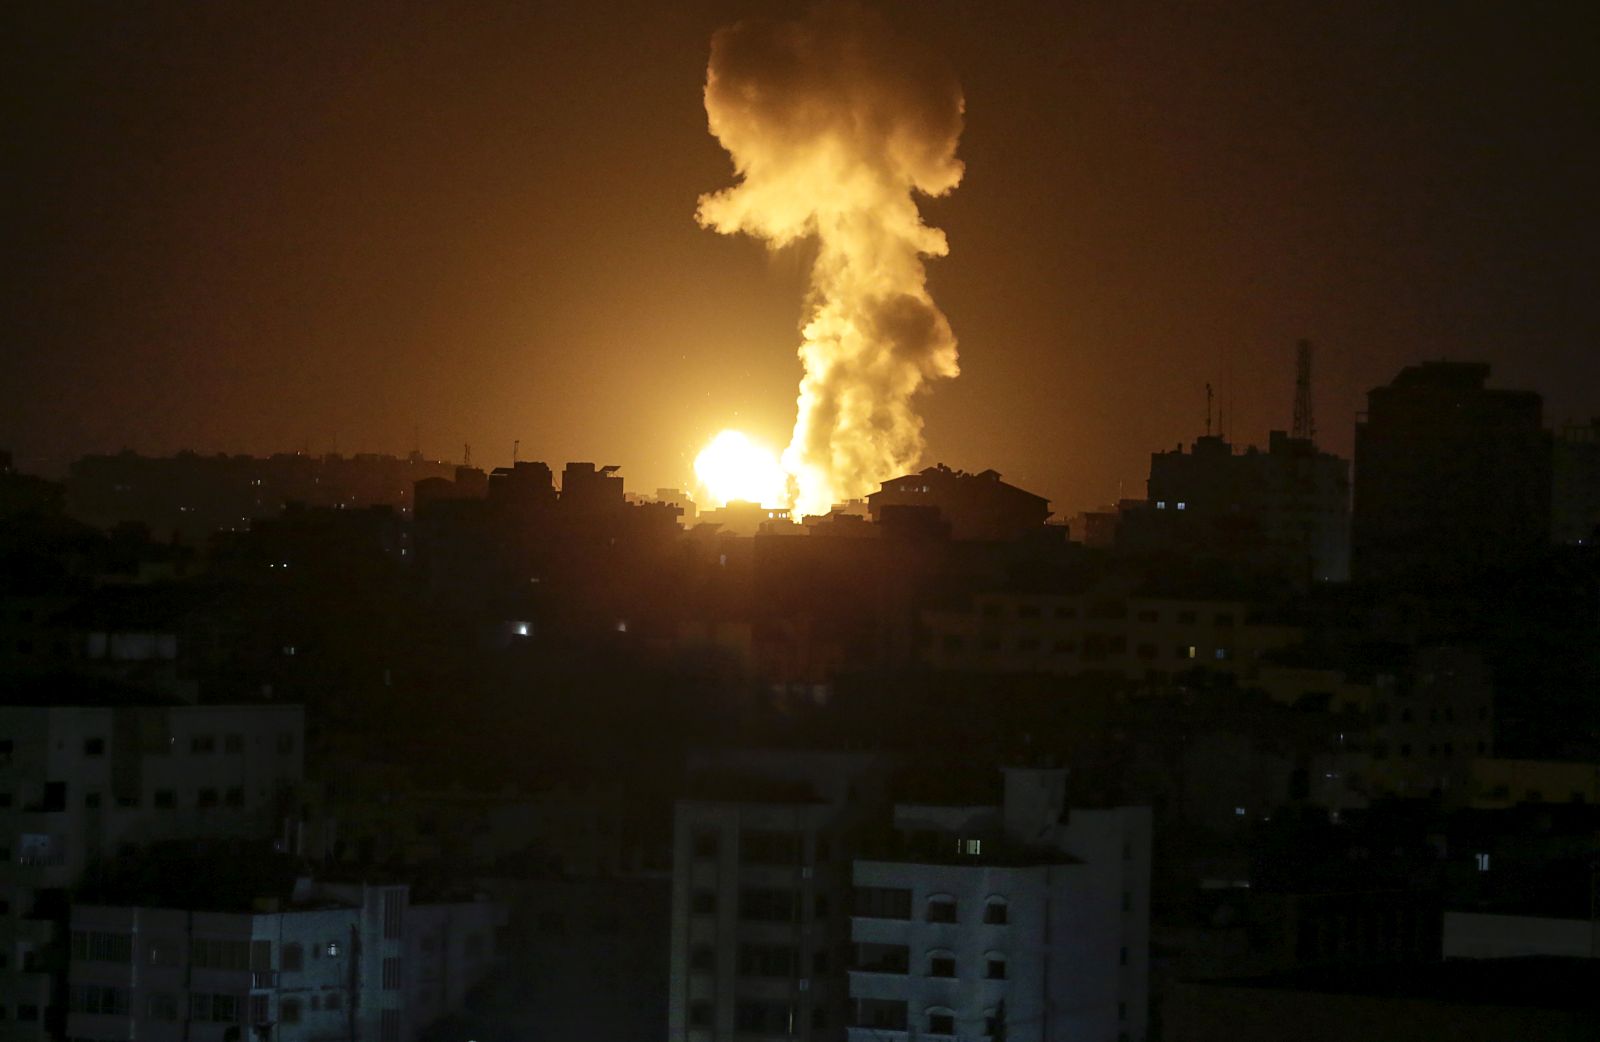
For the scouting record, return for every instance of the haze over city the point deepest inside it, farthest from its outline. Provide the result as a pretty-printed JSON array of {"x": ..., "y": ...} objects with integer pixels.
[{"x": 371, "y": 229}]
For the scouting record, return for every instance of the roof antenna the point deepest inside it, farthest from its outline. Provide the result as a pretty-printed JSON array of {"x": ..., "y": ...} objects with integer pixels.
[{"x": 1208, "y": 410}]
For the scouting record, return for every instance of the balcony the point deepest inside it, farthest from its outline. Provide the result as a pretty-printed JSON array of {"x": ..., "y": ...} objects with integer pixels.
[{"x": 263, "y": 979}]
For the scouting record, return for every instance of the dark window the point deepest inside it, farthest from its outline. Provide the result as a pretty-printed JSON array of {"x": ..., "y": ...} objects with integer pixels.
[
  {"x": 882, "y": 902},
  {"x": 206, "y": 798},
  {"x": 703, "y": 958},
  {"x": 704, "y": 902},
  {"x": 1027, "y": 611},
  {"x": 771, "y": 906},
  {"x": 163, "y": 1005},
  {"x": 1187, "y": 617},
  {"x": 294, "y": 958},
  {"x": 766, "y": 960},
  {"x": 234, "y": 797},
  {"x": 942, "y": 966},
  {"x": 771, "y": 848},
  {"x": 994, "y": 913},
  {"x": 704, "y": 843},
  {"x": 391, "y": 974},
  {"x": 94, "y": 747},
  {"x": 766, "y": 1018},
  {"x": 1224, "y": 618},
  {"x": 941, "y": 910},
  {"x": 91, "y": 800},
  {"x": 202, "y": 744},
  {"x": 289, "y": 1011},
  {"x": 700, "y": 1014},
  {"x": 233, "y": 743},
  {"x": 1149, "y": 615},
  {"x": 994, "y": 967},
  {"x": 166, "y": 799},
  {"x": 941, "y": 1024}
]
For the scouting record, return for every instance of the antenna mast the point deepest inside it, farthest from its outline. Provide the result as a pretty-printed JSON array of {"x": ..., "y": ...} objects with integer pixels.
[
  {"x": 1305, "y": 423},
  {"x": 1208, "y": 410}
]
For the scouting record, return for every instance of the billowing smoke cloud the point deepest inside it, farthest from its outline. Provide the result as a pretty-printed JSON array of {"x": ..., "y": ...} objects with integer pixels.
[{"x": 834, "y": 124}]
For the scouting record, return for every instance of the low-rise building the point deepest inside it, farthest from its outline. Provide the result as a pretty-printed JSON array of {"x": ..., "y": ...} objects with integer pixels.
[{"x": 1029, "y": 921}]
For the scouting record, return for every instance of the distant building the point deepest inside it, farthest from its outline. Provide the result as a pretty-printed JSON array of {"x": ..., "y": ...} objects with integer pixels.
[
  {"x": 1102, "y": 631},
  {"x": 331, "y": 962},
  {"x": 1450, "y": 475},
  {"x": 1575, "y": 506},
  {"x": 1028, "y": 921},
  {"x": 192, "y": 496},
  {"x": 1283, "y": 512},
  {"x": 975, "y": 506},
  {"x": 79, "y": 783}
]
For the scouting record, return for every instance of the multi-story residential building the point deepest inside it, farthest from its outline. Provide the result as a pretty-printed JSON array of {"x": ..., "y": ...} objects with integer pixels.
[
  {"x": 1285, "y": 511},
  {"x": 1430, "y": 721},
  {"x": 82, "y": 782},
  {"x": 335, "y": 962},
  {"x": 1575, "y": 493},
  {"x": 975, "y": 506},
  {"x": 1028, "y": 921},
  {"x": 760, "y": 896},
  {"x": 1138, "y": 637},
  {"x": 1449, "y": 475}
]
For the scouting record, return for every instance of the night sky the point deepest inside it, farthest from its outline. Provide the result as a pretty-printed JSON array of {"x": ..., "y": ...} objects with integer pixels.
[{"x": 258, "y": 228}]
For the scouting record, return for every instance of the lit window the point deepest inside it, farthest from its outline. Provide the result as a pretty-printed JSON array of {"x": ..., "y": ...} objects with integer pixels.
[
  {"x": 1238, "y": 812},
  {"x": 1482, "y": 861},
  {"x": 974, "y": 847},
  {"x": 1181, "y": 506},
  {"x": 333, "y": 949},
  {"x": 1161, "y": 504}
]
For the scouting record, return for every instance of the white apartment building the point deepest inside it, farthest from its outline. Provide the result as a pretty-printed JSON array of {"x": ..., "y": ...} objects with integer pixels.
[
  {"x": 760, "y": 895},
  {"x": 1028, "y": 921},
  {"x": 348, "y": 962},
  {"x": 80, "y": 782}
]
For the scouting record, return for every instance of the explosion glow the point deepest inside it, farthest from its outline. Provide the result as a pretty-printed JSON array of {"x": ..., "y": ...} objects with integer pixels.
[
  {"x": 834, "y": 124},
  {"x": 734, "y": 467}
]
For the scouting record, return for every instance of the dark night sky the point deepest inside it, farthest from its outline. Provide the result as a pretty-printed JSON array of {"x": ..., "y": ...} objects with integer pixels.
[{"x": 253, "y": 228}]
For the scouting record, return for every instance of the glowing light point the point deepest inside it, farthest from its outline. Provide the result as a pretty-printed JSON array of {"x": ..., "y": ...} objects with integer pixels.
[{"x": 733, "y": 467}]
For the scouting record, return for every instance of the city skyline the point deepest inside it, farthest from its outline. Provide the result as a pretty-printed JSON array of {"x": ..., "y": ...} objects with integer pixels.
[{"x": 246, "y": 232}]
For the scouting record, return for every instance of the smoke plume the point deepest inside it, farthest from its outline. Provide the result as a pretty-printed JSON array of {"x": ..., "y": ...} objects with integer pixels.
[{"x": 835, "y": 124}]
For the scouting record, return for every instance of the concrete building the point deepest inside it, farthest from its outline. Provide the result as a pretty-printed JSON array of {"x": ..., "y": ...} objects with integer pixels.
[
  {"x": 1575, "y": 496},
  {"x": 975, "y": 506},
  {"x": 1285, "y": 511},
  {"x": 334, "y": 962},
  {"x": 1028, "y": 920},
  {"x": 78, "y": 783},
  {"x": 760, "y": 895},
  {"x": 1449, "y": 474},
  {"x": 1102, "y": 631}
]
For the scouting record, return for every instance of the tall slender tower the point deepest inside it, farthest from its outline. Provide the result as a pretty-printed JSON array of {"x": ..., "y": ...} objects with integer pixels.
[{"x": 1305, "y": 423}]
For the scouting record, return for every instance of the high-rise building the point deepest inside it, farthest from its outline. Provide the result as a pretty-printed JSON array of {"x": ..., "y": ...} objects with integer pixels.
[{"x": 1450, "y": 475}]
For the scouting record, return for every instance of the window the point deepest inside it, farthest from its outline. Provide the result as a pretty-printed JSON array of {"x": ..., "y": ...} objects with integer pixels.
[
  {"x": 771, "y": 848},
  {"x": 389, "y": 1026},
  {"x": 218, "y": 1009},
  {"x": 207, "y": 954},
  {"x": 1188, "y": 617},
  {"x": 703, "y": 902},
  {"x": 260, "y": 1009},
  {"x": 391, "y": 974},
  {"x": 941, "y": 1022},
  {"x": 1224, "y": 618},
  {"x": 703, "y": 958},
  {"x": 289, "y": 1011},
  {"x": 768, "y": 906},
  {"x": 941, "y": 910},
  {"x": 766, "y": 1018},
  {"x": 94, "y": 747},
  {"x": 203, "y": 744},
  {"x": 161, "y": 1005},
  {"x": 234, "y": 797},
  {"x": 166, "y": 799},
  {"x": 1064, "y": 612},
  {"x": 700, "y": 1014},
  {"x": 286, "y": 743},
  {"x": 994, "y": 966},
  {"x": 972, "y": 847},
  {"x": 882, "y": 902},
  {"x": 941, "y": 964},
  {"x": 1149, "y": 615},
  {"x": 206, "y": 798},
  {"x": 393, "y": 904},
  {"x": 293, "y": 959},
  {"x": 1482, "y": 861},
  {"x": 1122, "y": 957},
  {"x": 95, "y": 946},
  {"x": 994, "y": 912},
  {"x": 704, "y": 843},
  {"x": 332, "y": 1000},
  {"x": 99, "y": 999},
  {"x": 233, "y": 743},
  {"x": 333, "y": 949},
  {"x": 765, "y": 960},
  {"x": 91, "y": 800}
]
